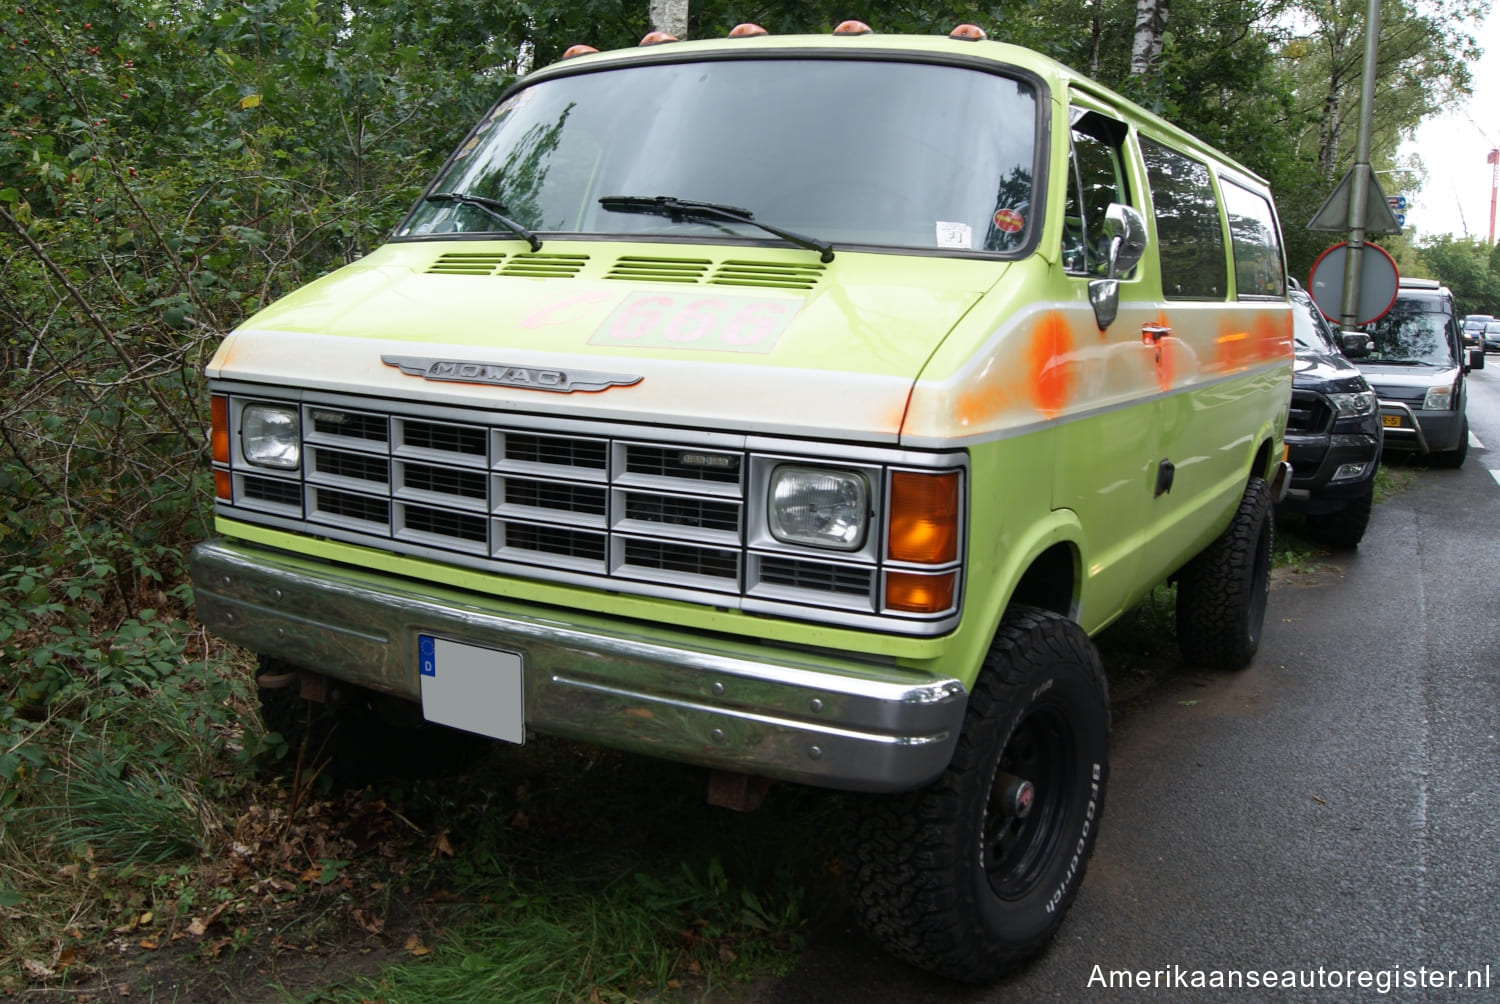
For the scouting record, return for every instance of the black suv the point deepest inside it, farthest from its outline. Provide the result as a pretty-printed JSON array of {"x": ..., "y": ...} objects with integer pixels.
[
  {"x": 1333, "y": 433},
  {"x": 1415, "y": 361}
]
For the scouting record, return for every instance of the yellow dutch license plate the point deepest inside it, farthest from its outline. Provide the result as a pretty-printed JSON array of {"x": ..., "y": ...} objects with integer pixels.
[{"x": 1391, "y": 421}]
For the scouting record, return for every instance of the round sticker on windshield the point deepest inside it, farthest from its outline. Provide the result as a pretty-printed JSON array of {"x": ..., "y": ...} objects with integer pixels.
[{"x": 1008, "y": 221}]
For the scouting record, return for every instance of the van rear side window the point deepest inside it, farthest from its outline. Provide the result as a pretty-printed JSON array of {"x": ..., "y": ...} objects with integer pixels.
[
  {"x": 1254, "y": 237},
  {"x": 1189, "y": 232}
]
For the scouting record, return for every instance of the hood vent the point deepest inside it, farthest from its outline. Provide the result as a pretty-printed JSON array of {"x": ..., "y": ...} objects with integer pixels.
[
  {"x": 545, "y": 266},
  {"x": 781, "y": 275},
  {"x": 659, "y": 269},
  {"x": 466, "y": 264}
]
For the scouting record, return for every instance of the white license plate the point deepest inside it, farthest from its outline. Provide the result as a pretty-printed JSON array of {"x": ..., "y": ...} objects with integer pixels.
[{"x": 472, "y": 688}]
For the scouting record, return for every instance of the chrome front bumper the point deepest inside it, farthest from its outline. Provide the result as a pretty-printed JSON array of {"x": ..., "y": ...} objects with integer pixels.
[{"x": 807, "y": 716}]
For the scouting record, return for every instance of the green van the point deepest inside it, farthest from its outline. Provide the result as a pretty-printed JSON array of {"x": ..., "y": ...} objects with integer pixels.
[{"x": 798, "y": 407}]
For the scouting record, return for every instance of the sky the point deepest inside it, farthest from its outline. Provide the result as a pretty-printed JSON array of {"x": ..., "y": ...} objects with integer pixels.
[{"x": 1453, "y": 148}]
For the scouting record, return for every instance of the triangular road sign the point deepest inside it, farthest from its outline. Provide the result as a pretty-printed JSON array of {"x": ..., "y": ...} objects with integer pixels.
[{"x": 1334, "y": 215}]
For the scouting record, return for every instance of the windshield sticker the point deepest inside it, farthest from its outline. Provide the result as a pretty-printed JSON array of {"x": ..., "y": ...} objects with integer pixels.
[
  {"x": 954, "y": 235},
  {"x": 700, "y": 323},
  {"x": 1009, "y": 221}
]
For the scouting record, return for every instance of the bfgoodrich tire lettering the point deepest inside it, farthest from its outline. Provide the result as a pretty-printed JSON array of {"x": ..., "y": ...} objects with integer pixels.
[
  {"x": 1221, "y": 593},
  {"x": 954, "y": 878}
]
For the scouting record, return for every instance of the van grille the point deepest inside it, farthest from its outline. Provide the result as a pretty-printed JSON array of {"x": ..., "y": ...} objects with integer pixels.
[{"x": 629, "y": 509}]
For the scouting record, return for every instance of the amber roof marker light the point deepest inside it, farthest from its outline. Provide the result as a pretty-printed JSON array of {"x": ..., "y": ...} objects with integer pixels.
[
  {"x": 658, "y": 38},
  {"x": 578, "y": 50},
  {"x": 854, "y": 28},
  {"x": 747, "y": 30},
  {"x": 968, "y": 33}
]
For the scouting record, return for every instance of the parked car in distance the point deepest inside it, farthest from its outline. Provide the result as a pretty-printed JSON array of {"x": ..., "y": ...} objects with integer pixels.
[
  {"x": 1333, "y": 432},
  {"x": 1416, "y": 365},
  {"x": 1490, "y": 336},
  {"x": 1474, "y": 329}
]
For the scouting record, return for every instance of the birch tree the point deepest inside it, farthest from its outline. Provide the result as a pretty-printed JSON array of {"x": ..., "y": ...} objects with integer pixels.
[{"x": 1150, "y": 28}]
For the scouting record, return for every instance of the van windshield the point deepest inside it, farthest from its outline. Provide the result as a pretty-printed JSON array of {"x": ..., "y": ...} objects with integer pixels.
[{"x": 848, "y": 152}]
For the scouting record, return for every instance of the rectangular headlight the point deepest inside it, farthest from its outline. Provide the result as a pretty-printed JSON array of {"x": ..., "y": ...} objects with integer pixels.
[
  {"x": 270, "y": 436},
  {"x": 1438, "y": 399},
  {"x": 819, "y": 506}
]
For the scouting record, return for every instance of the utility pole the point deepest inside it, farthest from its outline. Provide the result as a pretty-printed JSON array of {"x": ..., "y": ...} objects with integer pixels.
[{"x": 1359, "y": 195}]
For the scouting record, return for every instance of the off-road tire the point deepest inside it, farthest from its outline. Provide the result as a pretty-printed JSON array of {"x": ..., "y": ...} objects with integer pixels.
[
  {"x": 1221, "y": 593},
  {"x": 1344, "y": 528},
  {"x": 948, "y": 879},
  {"x": 1453, "y": 458},
  {"x": 358, "y": 736}
]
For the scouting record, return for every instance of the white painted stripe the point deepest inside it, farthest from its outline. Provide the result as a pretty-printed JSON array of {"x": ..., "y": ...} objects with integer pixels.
[
  {"x": 1474, "y": 440},
  {"x": 1496, "y": 475}
]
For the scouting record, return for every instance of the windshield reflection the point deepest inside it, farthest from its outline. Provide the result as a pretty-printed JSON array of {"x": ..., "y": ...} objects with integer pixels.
[
  {"x": 1413, "y": 337},
  {"x": 847, "y": 151}
]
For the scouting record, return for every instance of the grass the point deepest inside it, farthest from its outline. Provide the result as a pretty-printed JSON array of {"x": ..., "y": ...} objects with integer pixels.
[{"x": 545, "y": 873}]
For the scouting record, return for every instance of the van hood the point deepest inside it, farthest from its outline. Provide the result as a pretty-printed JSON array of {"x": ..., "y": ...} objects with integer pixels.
[{"x": 747, "y": 339}]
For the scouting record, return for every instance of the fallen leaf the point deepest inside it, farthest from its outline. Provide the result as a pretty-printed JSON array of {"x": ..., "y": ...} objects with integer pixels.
[
  {"x": 69, "y": 871},
  {"x": 441, "y": 844},
  {"x": 414, "y": 945},
  {"x": 1315, "y": 798},
  {"x": 148, "y": 944},
  {"x": 37, "y": 970},
  {"x": 369, "y": 922}
]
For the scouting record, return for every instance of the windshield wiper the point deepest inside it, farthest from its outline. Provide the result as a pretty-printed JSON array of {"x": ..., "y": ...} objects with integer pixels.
[
  {"x": 492, "y": 208},
  {"x": 682, "y": 211}
]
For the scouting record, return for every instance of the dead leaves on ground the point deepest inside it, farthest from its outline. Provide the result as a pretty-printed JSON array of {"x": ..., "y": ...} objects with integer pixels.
[{"x": 332, "y": 858}]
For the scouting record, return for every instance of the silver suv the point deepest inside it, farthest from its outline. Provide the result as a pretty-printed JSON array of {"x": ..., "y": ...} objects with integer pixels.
[{"x": 1416, "y": 363}]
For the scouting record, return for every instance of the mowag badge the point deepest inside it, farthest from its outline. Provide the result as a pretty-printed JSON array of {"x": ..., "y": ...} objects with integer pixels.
[{"x": 502, "y": 375}]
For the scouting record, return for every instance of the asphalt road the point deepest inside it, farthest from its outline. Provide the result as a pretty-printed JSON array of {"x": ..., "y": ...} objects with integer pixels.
[{"x": 1329, "y": 811}]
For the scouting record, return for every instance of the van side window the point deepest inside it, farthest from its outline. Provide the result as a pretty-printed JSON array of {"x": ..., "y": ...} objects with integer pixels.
[
  {"x": 1095, "y": 179},
  {"x": 1256, "y": 243},
  {"x": 1189, "y": 232}
]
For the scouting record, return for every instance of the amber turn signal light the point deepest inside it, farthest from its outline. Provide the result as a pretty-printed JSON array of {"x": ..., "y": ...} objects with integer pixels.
[
  {"x": 911, "y": 592},
  {"x": 924, "y": 517},
  {"x": 218, "y": 407},
  {"x": 222, "y": 486}
]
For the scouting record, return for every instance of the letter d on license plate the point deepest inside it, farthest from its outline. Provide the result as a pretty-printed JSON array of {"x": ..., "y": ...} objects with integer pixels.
[{"x": 472, "y": 688}]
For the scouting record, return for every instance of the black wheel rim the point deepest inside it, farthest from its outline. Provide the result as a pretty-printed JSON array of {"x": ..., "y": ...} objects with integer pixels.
[{"x": 1018, "y": 846}]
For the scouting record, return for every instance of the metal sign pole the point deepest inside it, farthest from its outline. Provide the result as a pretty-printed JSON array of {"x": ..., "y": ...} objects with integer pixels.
[{"x": 1359, "y": 194}]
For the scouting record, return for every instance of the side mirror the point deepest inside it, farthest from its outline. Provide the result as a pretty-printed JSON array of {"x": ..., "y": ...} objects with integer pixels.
[
  {"x": 1356, "y": 344},
  {"x": 1125, "y": 228},
  {"x": 1476, "y": 359}
]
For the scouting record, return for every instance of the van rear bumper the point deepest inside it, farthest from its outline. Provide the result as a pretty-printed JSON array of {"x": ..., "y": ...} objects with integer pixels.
[{"x": 807, "y": 716}]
